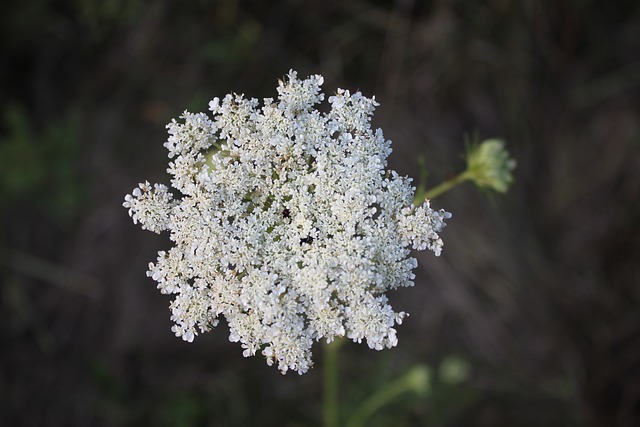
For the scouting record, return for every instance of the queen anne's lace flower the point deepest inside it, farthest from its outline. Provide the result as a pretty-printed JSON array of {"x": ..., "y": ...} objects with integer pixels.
[{"x": 288, "y": 223}]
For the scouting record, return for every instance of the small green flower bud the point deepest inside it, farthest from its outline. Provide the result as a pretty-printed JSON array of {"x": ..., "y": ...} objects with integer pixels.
[
  {"x": 489, "y": 165},
  {"x": 419, "y": 379},
  {"x": 454, "y": 370}
]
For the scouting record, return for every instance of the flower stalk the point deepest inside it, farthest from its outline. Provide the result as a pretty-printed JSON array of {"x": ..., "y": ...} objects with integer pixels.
[
  {"x": 331, "y": 408},
  {"x": 446, "y": 185},
  {"x": 417, "y": 379}
]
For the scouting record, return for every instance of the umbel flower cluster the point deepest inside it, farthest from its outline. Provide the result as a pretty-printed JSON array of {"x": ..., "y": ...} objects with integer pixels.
[{"x": 285, "y": 222}]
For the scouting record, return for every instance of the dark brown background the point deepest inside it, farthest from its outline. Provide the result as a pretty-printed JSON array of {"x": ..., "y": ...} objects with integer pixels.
[{"x": 538, "y": 291}]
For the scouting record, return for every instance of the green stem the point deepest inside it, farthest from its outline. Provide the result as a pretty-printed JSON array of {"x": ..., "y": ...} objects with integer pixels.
[
  {"x": 417, "y": 379},
  {"x": 330, "y": 377},
  {"x": 446, "y": 186}
]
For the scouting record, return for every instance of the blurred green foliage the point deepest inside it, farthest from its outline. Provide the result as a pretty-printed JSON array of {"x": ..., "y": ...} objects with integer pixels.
[
  {"x": 102, "y": 17},
  {"x": 41, "y": 165}
]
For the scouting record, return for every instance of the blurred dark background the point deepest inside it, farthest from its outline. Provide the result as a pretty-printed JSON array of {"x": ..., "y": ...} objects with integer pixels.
[{"x": 537, "y": 292}]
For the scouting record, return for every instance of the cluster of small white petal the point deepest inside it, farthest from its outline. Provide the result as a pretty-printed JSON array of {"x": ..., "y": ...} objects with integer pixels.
[{"x": 287, "y": 223}]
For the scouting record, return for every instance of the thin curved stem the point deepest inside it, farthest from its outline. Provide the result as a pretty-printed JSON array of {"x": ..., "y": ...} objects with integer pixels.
[
  {"x": 446, "y": 186},
  {"x": 416, "y": 379}
]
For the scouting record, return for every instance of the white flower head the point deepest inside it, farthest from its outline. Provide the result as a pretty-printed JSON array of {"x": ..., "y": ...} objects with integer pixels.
[{"x": 286, "y": 223}]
